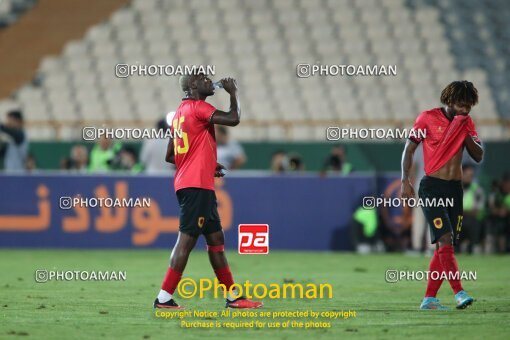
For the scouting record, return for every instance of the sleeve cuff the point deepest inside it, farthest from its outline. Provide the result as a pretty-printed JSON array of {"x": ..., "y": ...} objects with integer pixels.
[
  {"x": 210, "y": 116},
  {"x": 415, "y": 140}
]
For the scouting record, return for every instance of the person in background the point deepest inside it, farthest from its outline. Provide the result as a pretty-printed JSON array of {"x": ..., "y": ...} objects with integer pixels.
[
  {"x": 152, "y": 155},
  {"x": 14, "y": 148},
  {"x": 396, "y": 224},
  {"x": 364, "y": 233},
  {"x": 296, "y": 163},
  {"x": 493, "y": 223},
  {"x": 78, "y": 160},
  {"x": 283, "y": 162},
  {"x": 473, "y": 202},
  {"x": 230, "y": 152},
  {"x": 498, "y": 221},
  {"x": 30, "y": 163},
  {"x": 336, "y": 162},
  {"x": 128, "y": 161},
  {"x": 279, "y": 162},
  {"x": 103, "y": 154}
]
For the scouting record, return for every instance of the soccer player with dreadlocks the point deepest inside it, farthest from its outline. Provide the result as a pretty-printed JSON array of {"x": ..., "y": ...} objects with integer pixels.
[{"x": 448, "y": 130}]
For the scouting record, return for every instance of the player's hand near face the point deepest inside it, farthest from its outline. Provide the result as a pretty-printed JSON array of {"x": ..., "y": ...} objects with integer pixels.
[
  {"x": 233, "y": 116},
  {"x": 229, "y": 85}
]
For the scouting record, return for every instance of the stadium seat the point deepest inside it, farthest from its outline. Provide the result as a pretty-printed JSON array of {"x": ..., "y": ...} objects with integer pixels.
[
  {"x": 430, "y": 44},
  {"x": 11, "y": 10}
]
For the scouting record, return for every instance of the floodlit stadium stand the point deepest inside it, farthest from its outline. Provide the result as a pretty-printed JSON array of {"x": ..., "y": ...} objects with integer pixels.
[
  {"x": 11, "y": 10},
  {"x": 260, "y": 43}
]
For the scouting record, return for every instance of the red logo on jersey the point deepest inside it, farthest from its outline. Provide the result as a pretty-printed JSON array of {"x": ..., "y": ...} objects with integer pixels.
[{"x": 253, "y": 239}]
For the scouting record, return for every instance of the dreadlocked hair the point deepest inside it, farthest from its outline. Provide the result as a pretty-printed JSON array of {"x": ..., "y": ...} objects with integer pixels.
[{"x": 460, "y": 92}]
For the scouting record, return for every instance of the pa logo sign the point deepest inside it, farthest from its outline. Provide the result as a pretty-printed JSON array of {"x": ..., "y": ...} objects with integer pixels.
[{"x": 253, "y": 239}]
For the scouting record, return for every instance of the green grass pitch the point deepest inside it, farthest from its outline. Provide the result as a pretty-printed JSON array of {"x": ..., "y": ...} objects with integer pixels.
[{"x": 122, "y": 310}]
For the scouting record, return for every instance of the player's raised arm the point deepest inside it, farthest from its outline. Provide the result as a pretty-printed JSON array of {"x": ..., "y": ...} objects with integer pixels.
[
  {"x": 474, "y": 148},
  {"x": 170, "y": 157},
  {"x": 473, "y": 143},
  {"x": 407, "y": 190},
  {"x": 233, "y": 116}
]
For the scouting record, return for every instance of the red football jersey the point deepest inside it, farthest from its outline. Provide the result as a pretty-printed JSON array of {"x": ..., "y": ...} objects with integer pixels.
[
  {"x": 195, "y": 150},
  {"x": 443, "y": 138}
]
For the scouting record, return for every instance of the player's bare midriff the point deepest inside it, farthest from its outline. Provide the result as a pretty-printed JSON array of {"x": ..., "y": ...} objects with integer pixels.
[{"x": 452, "y": 170}]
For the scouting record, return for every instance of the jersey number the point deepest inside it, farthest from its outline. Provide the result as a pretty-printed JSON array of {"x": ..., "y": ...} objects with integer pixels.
[
  {"x": 177, "y": 125},
  {"x": 459, "y": 223}
]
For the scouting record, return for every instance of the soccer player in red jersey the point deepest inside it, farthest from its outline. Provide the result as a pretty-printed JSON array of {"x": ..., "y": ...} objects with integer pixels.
[
  {"x": 193, "y": 151},
  {"x": 448, "y": 130}
]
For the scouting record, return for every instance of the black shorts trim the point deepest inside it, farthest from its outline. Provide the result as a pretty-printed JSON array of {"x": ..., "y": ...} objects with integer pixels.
[
  {"x": 198, "y": 211},
  {"x": 443, "y": 220}
]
